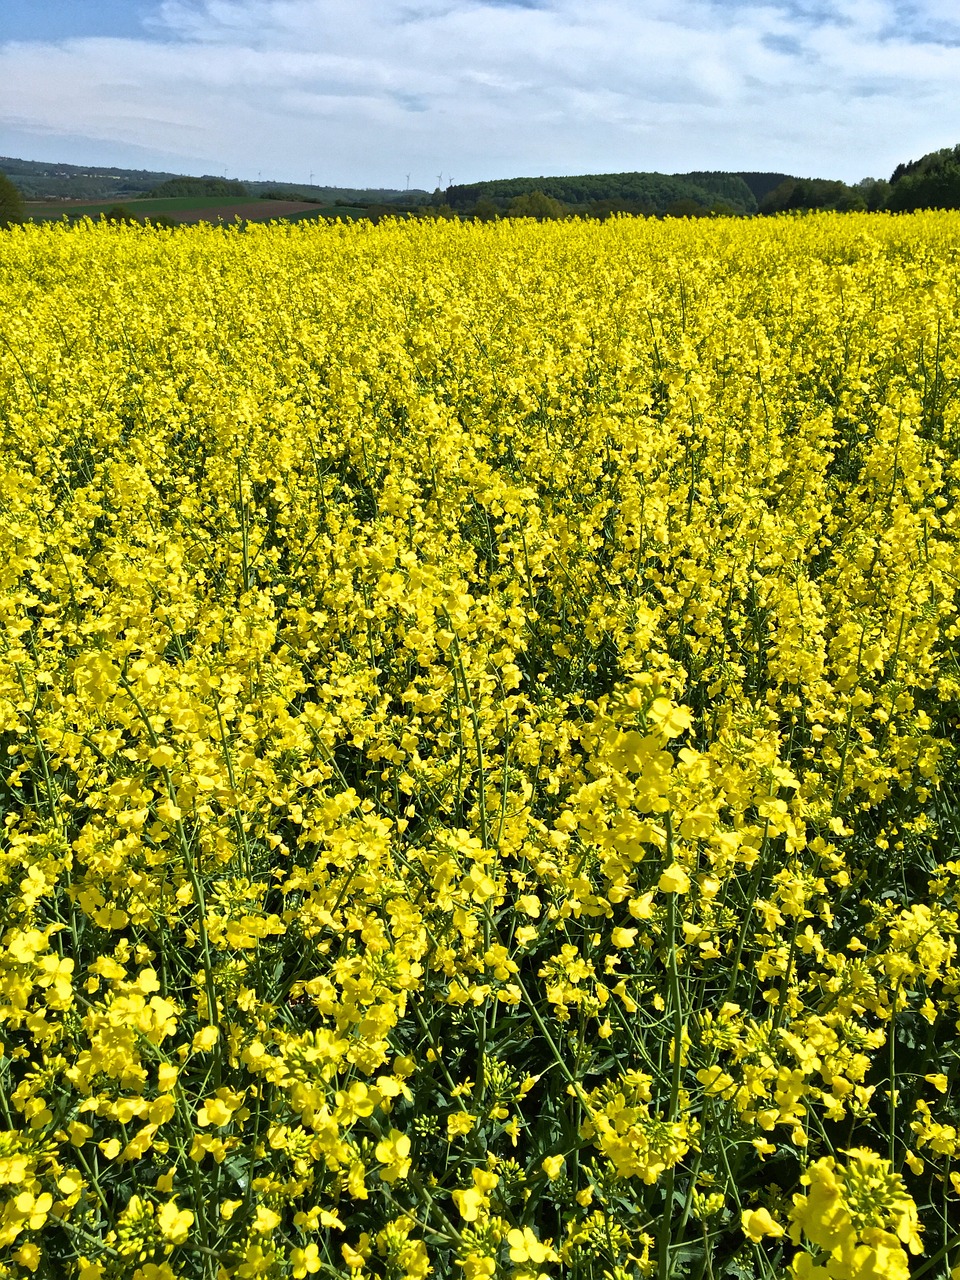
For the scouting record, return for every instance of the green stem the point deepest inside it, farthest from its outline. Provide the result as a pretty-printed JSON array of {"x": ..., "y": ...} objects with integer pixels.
[{"x": 665, "y": 1235}]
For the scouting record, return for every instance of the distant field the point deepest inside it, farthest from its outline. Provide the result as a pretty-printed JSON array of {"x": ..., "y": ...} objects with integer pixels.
[{"x": 192, "y": 209}]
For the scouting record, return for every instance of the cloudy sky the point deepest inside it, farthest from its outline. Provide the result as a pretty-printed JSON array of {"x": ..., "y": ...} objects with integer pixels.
[{"x": 365, "y": 92}]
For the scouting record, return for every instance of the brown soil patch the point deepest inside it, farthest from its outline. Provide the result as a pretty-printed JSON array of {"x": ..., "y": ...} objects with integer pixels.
[{"x": 258, "y": 210}]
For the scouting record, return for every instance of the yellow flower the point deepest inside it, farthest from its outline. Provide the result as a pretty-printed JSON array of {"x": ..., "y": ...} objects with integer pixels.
[
  {"x": 205, "y": 1039},
  {"x": 166, "y": 1077},
  {"x": 473, "y": 1201},
  {"x": 623, "y": 937},
  {"x": 669, "y": 718},
  {"x": 174, "y": 1223},
  {"x": 642, "y": 908},
  {"x": 393, "y": 1152},
  {"x": 356, "y": 1258},
  {"x": 265, "y": 1221},
  {"x": 379, "y": 607},
  {"x": 470, "y": 1203},
  {"x": 478, "y": 1266},
  {"x": 168, "y": 812},
  {"x": 221, "y": 1108},
  {"x": 305, "y": 1261},
  {"x": 803, "y": 1267},
  {"x": 459, "y": 1123},
  {"x": 674, "y": 880},
  {"x": 757, "y": 1223},
  {"x": 859, "y": 1209},
  {"x": 28, "y": 1255},
  {"x": 525, "y": 1247}
]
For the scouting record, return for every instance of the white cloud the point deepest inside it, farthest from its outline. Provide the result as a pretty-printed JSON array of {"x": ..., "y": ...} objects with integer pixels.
[{"x": 362, "y": 94}]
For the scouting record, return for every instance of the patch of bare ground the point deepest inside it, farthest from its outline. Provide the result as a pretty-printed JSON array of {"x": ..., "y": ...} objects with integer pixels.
[{"x": 256, "y": 210}]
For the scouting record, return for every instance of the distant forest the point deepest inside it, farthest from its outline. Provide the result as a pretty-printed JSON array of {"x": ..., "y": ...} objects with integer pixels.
[
  {"x": 932, "y": 182},
  {"x": 642, "y": 193},
  {"x": 40, "y": 180}
]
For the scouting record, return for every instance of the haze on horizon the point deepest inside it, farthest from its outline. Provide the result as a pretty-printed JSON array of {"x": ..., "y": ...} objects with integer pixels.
[{"x": 434, "y": 91}]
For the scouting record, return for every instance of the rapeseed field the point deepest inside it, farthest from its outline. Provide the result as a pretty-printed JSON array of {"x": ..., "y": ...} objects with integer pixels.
[{"x": 478, "y": 724}]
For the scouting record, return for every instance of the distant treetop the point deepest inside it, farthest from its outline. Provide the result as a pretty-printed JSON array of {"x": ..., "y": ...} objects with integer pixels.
[
  {"x": 11, "y": 202},
  {"x": 932, "y": 182},
  {"x": 589, "y": 193},
  {"x": 812, "y": 193},
  {"x": 205, "y": 186}
]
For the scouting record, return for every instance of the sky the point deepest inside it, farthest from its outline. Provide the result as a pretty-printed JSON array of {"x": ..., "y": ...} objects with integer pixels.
[{"x": 389, "y": 93}]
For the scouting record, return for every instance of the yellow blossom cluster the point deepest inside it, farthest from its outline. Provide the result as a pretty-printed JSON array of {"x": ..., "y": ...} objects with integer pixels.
[{"x": 479, "y": 750}]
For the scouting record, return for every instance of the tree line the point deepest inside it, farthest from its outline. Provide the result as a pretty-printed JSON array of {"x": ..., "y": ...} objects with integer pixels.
[
  {"x": 932, "y": 182},
  {"x": 600, "y": 193}
]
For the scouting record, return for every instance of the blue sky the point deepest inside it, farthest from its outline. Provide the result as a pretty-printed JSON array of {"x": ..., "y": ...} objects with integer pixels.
[
  {"x": 367, "y": 92},
  {"x": 63, "y": 19}
]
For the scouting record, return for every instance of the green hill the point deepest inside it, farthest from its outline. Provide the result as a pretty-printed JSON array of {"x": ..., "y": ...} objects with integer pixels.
[
  {"x": 205, "y": 186},
  {"x": 761, "y": 183},
  {"x": 932, "y": 182},
  {"x": 41, "y": 180},
  {"x": 652, "y": 193},
  {"x": 809, "y": 194}
]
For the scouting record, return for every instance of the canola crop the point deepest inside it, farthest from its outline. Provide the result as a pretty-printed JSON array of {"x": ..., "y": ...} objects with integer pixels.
[{"x": 478, "y": 731}]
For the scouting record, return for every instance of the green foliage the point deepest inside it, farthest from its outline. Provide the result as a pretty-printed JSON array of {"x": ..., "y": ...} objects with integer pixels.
[
  {"x": 536, "y": 204},
  {"x": 599, "y": 195},
  {"x": 350, "y": 197},
  {"x": 11, "y": 203},
  {"x": 485, "y": 210},
  {"x": 932, "y": 182},
  {"x": 428, "y": 211},
  {"x": 604, "y": 209},
  {"x": 276, "y": 194},
  {"x": 760, "y": 183},
  {"x": 120, "y": 213},
  {"x": 40, "y": 180},
  {"x": 205, "y": 186},
  {"x": 730, "y": 188},
  {"x": 874, "y": 192},
  {"x": 812, "y": 193},
  {"x": 161, "y": 220},
  {"x": 685, "y": 208},
  {"x": 929, "y": 163}
]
